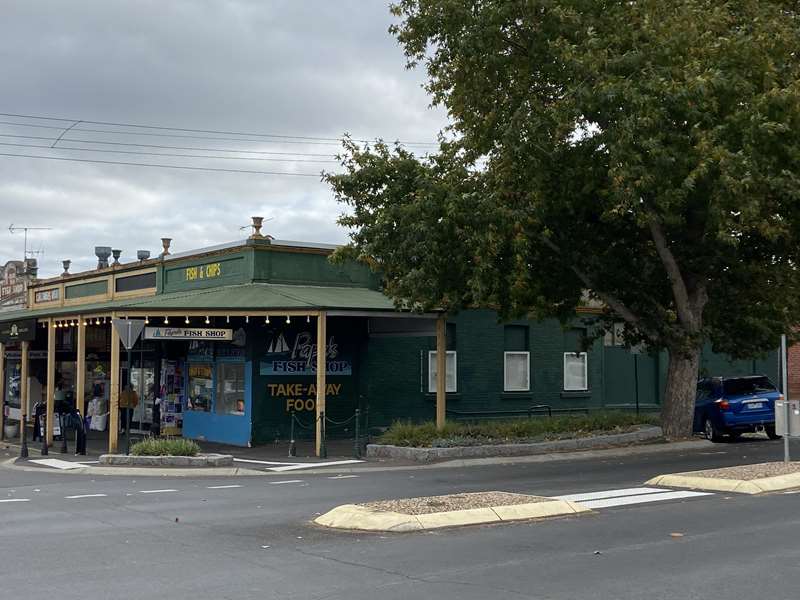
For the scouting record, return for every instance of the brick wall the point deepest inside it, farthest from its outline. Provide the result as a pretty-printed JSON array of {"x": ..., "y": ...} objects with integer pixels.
[{"x": 793, "y": 371}]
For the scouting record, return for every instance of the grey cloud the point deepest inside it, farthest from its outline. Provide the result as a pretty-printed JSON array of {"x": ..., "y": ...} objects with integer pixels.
[{"x": 313, "y": 68}]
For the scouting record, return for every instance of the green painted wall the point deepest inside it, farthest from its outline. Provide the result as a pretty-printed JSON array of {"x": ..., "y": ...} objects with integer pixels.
[
  {"x": 276, "y": 266},
  {"x": 84, "y": 290},
  {"x": 206, "y": 272},
  {"x": 275, "y": 395}
]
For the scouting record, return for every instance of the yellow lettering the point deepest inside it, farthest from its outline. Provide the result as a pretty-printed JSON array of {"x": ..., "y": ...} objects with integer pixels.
[{"x": 312, "y": 389}]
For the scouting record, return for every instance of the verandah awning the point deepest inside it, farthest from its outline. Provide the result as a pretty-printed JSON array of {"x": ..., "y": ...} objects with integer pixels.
[{"x": 258, "y": 297}]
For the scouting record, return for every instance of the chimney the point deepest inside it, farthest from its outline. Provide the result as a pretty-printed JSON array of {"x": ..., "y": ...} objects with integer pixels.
[
  {"x": 116, "y": 254},
  {"x": 257, "y": 223},
  {"x": 165, "y": 242},
  {"x": 102, "y": 253},
  {"x": 31, "y": 267},
  {"x": 142, "y": 255},
  {"x": 66, "y": 264}
]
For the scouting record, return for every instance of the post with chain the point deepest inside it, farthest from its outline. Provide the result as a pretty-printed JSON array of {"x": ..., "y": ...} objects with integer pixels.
[
  {"x": 357, "y": 442},
  {"x": 62, "y": 424},
  {"x": 323, "y": 445},
  {"x": 292, "y": 443}
]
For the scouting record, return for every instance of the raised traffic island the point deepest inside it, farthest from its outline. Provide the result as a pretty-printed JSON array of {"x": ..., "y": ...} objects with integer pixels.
[
  {"x": 201, "y": 460},
  {"x": 452, "y": 510},
  {"x": 745, "y": 479}
]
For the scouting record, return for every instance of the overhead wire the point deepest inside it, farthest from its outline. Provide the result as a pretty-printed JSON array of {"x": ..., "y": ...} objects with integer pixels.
[
  {"x": 166, "y": 147},
  {"x": 283, "y": 137},
  {"x": 134, "y": 164},
  {"x": 174, "y": 155}
]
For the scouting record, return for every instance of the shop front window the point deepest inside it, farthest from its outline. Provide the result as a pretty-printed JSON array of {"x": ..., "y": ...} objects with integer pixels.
[
  {"x": 230, "y": 388},
  {"x": 201, "y": 387}
]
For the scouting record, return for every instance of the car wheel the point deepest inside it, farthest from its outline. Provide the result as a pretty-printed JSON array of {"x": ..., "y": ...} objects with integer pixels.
[
  {"x": 770, "y": 431},
  {"x": 712, "y": 433}
]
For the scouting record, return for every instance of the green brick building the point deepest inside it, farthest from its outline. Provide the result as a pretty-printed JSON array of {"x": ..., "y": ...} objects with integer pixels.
[{"x": 229, "y": 351}]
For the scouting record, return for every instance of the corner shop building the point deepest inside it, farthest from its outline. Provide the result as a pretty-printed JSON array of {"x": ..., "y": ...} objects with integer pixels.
[{"x": 230, "y": 349}]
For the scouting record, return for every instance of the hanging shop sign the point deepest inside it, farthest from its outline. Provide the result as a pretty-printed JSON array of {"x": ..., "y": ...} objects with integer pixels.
[
  {"x": 18, "y": 331},
  {"x": 300, "y": 357},
  {"x": 187, "y": 333},
  {"x": 32, "y": 354}
]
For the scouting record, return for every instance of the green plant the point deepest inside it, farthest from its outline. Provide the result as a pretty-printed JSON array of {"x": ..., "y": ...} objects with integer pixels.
[
  {"x": 406, "y": 433},
  {"x": 168, "y": 446}
]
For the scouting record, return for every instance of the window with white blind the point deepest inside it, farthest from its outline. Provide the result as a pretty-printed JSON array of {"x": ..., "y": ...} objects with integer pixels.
[
  {"x": 450, "y": 383},
  {"x": 517, "y": 370},
  {"x": 576, "y": 373}
]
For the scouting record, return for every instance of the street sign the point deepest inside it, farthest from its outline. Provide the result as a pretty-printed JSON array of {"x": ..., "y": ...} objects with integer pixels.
[
  {"x": 787, "y": 418},
  {"x": 129, "y": 331},
  {"x": 188, "y": 333}
]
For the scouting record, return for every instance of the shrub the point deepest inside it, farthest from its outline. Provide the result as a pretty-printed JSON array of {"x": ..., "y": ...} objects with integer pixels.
[
  {"x": 152, "y": 446},
  {"x": 463, "y": 433}
]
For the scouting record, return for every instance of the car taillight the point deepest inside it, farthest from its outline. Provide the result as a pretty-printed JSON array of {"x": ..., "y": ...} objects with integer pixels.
[{"x": 723, "y": 404}]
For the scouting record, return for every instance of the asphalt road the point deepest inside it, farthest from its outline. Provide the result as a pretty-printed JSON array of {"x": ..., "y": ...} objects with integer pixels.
[{"x": 76, "y": 536}]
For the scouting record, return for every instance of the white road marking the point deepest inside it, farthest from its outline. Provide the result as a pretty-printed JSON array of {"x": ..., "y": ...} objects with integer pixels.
[
  {"x": 343, "y": 477},
  {"x": 261, "y": 462},
  {"x": 88, "y": 462},
  {"x": 611, "y": 494},
  {"x": 156, "y": 491},
  {"x": 223, "y": 487},
  {"x": 85, "y": 496},
  {"x": 57, "y": 463},
  {"x": 288, "y": 481},
  {"x": 642, "y": 499},
  {"x": 15, "y": 500},
  {"x": 298, "y": 466}
]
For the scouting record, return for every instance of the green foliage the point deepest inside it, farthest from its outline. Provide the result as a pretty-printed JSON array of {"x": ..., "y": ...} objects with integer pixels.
[
  {"x": 168, "y": 446},
  {"x": 405, "y": 433},
  {"x": 644, "y": 151}
]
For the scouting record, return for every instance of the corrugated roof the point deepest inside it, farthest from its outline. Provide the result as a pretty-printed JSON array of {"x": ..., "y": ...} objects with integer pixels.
[{"x": 249, "y": 296}]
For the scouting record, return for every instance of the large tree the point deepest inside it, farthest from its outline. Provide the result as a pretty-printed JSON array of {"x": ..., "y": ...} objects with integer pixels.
[{"x": 645, "y": 152}]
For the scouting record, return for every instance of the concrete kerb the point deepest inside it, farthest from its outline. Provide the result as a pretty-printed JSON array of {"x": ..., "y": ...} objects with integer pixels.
[
  {"x": 426, "y": 455},
  {"x": 778, "y": 483},
  {"x": 372, "y": 468},
  {"x": 360, "y": 518},
  {"x": 141, "y": 471}
]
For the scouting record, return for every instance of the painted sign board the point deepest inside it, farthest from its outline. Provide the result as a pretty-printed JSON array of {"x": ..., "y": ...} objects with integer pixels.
[
  {"x": 187, "y": 333},
  {"x": 18, "y": 331},
  {"x": 299, "y": 357}
]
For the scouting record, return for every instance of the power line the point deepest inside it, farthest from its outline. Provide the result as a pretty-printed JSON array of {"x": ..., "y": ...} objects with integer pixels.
[
  {"x": 163, "y": 147},
  {"x": 163, "y": 166},
  {"x": 307, "y": 139},
  {"x": 104, "y": 151}
]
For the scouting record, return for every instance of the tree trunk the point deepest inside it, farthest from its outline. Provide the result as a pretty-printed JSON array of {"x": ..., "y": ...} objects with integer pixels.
[{"x": 677, "y": 413}]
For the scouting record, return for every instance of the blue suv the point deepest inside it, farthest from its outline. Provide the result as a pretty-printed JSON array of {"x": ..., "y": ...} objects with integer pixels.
[{"x": 735, "y": 405}]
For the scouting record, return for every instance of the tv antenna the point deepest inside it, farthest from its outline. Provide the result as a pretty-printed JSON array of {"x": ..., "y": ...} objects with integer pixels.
[{"x": 12, "y": 229}]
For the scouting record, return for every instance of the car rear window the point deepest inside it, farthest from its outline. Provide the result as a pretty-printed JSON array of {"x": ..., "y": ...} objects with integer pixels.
[{"x": 750, "y": 385}]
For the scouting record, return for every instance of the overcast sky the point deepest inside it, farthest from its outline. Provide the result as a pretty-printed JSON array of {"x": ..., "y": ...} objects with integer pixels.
[{"x": 313, "y": 68}]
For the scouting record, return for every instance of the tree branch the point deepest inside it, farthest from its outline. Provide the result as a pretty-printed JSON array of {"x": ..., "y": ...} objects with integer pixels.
[
  {"x": 679, "y": 292},
  {"x": 616, "y": 305}
]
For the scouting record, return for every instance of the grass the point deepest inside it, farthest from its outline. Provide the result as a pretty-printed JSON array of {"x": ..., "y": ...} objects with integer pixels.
[
  {"x": 168, "y": 446},
  {"x": 538, "y": 429}
]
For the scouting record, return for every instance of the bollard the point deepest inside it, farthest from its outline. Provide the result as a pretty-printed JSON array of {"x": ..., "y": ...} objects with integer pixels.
[
  {"x": 44, "y": 451},
  {"x": 23, "y": 445},
  {"x": 323, "y": 446},
  {"x": 63, "y": 434},
  {"x": 357, "y": 442},
  {"x": 292, "y": 443}
]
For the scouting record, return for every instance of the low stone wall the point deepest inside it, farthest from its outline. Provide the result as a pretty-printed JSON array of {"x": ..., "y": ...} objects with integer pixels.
[
  {"x": 432, "y": 454},
  {"x": 201, "y": 460}
]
